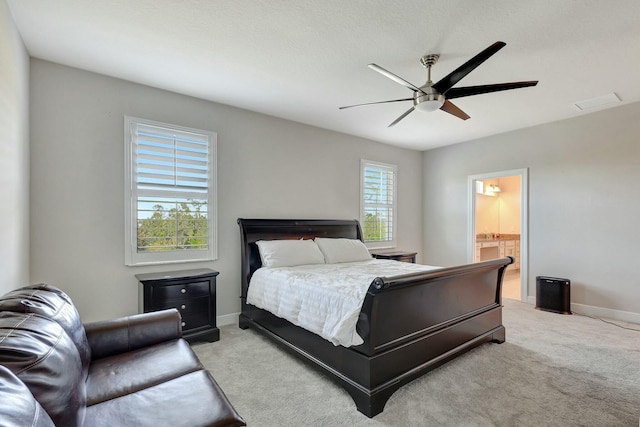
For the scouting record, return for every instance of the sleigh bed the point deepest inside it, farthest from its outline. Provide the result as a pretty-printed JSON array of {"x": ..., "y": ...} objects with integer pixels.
[{"x": 410, "y": 324}]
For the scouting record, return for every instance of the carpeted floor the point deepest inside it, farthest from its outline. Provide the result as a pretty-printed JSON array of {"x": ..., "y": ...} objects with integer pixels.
[{"x": 554, "y": 370}]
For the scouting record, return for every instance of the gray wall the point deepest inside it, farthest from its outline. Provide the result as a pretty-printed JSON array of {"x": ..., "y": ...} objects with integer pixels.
[
  {"x": 584, "y": 203},
  {"x": 583, "y": 182},
  {"x": 14, "y": 155},
  {"x": 267, "y": 167}
]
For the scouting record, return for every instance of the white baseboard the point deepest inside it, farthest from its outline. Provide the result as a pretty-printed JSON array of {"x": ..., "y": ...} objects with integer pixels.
[
  {"x": 600, "y": 312},
  {"x": 227, "y": 319},
  {"x": 607, "y": 313}
]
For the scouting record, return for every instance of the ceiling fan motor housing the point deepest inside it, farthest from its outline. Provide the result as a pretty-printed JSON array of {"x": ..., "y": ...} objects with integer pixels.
[{"x": 428, "y": 99}]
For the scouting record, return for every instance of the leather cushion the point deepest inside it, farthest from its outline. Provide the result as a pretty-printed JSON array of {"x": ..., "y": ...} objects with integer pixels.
[
  {"x": 41, "y": 354},
  {"x": 49, "y": 301},
  {"x": 116, "y": 336},
  {"x": 190, "y": 400},
  {"x": 18, "y": 408},
  {"x": 115, "y": 376}
]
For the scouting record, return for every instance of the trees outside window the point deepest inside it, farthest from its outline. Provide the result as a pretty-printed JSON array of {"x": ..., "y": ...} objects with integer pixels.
[
  {"x": 378, "y": 203},
  {"x": 170, "y": 194}
]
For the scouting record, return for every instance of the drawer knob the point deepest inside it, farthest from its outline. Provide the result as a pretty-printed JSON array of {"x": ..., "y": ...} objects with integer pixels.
[
  {"x": 182, "y": 307},
  {"x": 183, "y": 290}
]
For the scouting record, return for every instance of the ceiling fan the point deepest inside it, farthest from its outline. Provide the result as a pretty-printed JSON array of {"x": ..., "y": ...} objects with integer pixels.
[{"x": 432, "y": 96}]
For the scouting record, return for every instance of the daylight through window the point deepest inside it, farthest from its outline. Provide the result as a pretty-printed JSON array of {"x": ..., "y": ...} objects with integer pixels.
[
  {"x": 171, "y": 201},
  {"x": 378, "y": 188}
]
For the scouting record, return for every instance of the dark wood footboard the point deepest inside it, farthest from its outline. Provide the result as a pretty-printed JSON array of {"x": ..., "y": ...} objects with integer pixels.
[
  {"x": 410, "y": 324},
  {"x": 399, "y": 309}
]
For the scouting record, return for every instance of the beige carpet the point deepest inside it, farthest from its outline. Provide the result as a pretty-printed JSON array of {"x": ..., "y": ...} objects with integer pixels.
[{"x": 554, "y": 370}]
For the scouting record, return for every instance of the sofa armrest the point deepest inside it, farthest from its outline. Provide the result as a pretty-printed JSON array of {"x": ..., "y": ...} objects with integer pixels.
[{"x": 109, "y": 337}]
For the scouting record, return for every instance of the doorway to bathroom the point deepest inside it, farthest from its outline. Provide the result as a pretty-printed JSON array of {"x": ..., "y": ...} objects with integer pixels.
[{"x": 498, "y": 225}]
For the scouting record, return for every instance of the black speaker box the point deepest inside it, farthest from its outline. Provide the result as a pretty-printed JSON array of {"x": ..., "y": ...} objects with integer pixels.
[{"x": 553, "y": 294}]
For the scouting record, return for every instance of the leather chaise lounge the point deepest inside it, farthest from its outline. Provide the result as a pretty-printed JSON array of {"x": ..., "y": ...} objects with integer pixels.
[{"x": 134, "y": 371}]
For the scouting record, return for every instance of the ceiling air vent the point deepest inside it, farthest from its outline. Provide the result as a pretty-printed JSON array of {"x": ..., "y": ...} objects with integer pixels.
[{"x": 603, "y": 101}]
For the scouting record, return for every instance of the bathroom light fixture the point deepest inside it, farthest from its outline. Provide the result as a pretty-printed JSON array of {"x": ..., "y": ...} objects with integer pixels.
[{"x": 491, "y": 190}]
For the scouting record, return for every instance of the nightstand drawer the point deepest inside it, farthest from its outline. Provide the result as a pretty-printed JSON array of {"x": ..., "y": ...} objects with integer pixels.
[
  {"x": 181, "y": 291},
  {"x": 185, "y": 306},
  {"x": 194, "y": 320}
]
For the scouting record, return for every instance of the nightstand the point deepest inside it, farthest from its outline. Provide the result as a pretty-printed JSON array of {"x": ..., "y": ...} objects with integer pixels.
[
  {"x": 395, "y": 255},
  {"x": 191, "y": 292}
]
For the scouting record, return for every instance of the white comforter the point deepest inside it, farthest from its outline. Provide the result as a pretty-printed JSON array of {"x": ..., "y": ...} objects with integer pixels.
[{"x": 323, "y": 298}]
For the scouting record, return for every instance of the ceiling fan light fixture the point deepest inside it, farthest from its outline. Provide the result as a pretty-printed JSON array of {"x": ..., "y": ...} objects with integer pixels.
[
  {"x": 430, "y": 96},
  {"x": 429, "y": 102}
]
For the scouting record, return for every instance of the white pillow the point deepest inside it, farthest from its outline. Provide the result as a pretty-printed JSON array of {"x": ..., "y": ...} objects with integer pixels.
[
  {"x": 342, "y": 250},
  {"x": 288, "y": 253}
]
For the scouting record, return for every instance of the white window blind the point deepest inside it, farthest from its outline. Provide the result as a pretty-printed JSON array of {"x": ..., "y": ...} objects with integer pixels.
[
  {"x": 378, "y": 203},
  {"x": 170, "y": 193}
]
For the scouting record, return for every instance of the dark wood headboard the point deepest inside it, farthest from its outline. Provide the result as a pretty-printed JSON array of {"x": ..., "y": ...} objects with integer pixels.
[{"x": 252, "y": 230}]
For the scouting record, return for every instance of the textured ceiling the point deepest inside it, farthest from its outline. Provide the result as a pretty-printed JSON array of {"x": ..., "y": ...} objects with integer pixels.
[{"x": 302, "y": 59}]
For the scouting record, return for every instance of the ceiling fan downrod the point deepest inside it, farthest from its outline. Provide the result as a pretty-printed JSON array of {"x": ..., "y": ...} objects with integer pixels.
[
  {"x": 428, "y": 99},
  {"x": 427, "y": 61}
]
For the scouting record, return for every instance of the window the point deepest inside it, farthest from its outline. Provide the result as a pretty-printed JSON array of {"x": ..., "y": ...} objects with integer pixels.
[
  {"x": 170, "y": 193},
  {"x": 378, "y": 203}
]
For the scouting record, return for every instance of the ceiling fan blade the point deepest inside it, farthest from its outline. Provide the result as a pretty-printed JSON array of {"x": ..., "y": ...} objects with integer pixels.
[
  {"x": 373, "y": 103},
  {"x": 405, "y": 114},
  {"x": 450, "y": 108},
  {"x": 393, "y": 77},
  {"x": 459, "y": 92},
  {"x": 456, "y": 75}
]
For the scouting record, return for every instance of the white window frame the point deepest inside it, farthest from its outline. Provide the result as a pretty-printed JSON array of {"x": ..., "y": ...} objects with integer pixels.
[
  {"x": 132, "y": 256},
  {"x": 386, "y": 167}
]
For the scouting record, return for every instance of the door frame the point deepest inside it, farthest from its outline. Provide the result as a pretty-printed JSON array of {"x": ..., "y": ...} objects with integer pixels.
[{"x": 524, "y": 221}]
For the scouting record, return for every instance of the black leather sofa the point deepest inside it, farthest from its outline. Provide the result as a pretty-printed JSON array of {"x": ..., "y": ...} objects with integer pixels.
[{"x": 134, "y": 371}]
